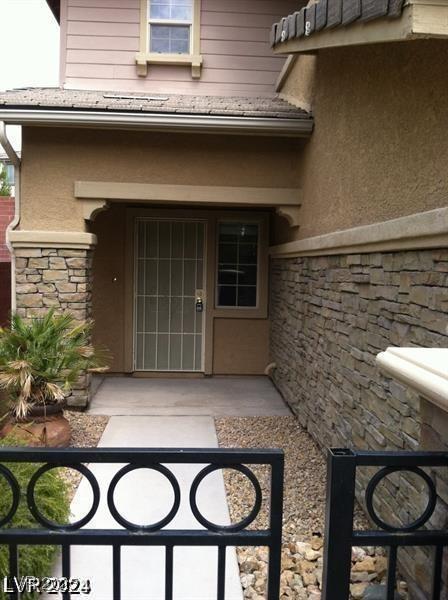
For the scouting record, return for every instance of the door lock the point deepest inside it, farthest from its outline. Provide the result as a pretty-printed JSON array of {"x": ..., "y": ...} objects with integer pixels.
[{"x": 199, "y": 301}]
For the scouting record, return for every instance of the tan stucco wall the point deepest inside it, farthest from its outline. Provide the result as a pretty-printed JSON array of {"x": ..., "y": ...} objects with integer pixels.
[
  {"x": 298, "y": 88},
  {"x": 53, "y": 159},
  {"x": 379, "y": 149},
  {"x": 241, "y": 346},
  {"x": 108, "y": 302}
]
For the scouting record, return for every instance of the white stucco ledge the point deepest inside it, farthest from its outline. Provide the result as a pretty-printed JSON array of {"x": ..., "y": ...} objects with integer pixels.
[{"x": 425, "y": 370}]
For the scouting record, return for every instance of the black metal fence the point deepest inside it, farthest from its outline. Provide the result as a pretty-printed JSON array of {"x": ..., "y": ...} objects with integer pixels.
[
  {"x": 221, "y": 536},
  {"x": 340, "y": 535}
]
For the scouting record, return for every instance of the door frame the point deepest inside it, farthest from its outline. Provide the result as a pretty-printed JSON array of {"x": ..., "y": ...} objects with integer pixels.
[
  {"x": 212, "y": 217},
  {"x": 170, "y": 219}
]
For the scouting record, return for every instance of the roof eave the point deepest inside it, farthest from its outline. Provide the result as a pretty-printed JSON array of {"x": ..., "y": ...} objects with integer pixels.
[
  {"x": 232, "y": 125},
  {"x": 55, "y": 7},
  {"x": 418, "y": 21}
]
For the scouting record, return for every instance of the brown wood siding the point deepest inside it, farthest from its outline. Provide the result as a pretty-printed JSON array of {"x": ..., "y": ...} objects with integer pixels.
[{"x": 103, "y": 36}]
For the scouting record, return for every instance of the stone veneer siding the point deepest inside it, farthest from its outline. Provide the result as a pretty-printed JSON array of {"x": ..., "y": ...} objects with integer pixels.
[
  {"x": 330, "y": 317},
  {"x": 60, "y": 279}
]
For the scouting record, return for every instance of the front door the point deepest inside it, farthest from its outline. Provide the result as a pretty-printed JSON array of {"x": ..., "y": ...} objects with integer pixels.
[{"x": 169, "y": 294}]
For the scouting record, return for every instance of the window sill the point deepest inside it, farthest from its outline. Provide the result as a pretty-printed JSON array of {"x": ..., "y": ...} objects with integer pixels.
[
  {"x": 143, "y": 60},
  {"x": 240, "y": 312}
]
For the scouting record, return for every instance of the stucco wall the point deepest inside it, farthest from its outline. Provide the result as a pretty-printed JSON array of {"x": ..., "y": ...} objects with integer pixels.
[
  {"x": 298, "y": 87},
  {"x": 53, "y": 159},
  {"x": 109, "y": 291},
  {"x": 379, "y": 147}
]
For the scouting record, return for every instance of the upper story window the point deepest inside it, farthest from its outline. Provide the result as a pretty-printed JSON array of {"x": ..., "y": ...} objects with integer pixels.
[
  {"x": 169, "y": 34},
  {"x": 170, "y": 25}
]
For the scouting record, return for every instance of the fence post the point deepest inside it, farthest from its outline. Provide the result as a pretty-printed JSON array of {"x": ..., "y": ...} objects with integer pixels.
[
  {"x": 341, "y": 476},
  {"x": 276, "y": 521}
]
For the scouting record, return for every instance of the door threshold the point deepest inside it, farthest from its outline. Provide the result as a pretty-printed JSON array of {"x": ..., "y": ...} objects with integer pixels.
[{"x": 168, "y": 375}]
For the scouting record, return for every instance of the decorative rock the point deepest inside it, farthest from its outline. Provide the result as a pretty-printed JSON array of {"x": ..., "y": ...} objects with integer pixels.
[
  {"x": 29, "y": 300},
  {"x": 248, "y": 566},
  {"x": 309, "y": 579},
  {"x": 26, "y": 288},
  {"x": 51, "y": 275},
  {"x": 357, "y": 590},
  {"x": 368, "y": 565},
  {"x": 381, "y": 565},
  {"x": 378, "y": 592},
  {"x": 53, "y": 433},
  {"x": 66, "y": 287},
  {"x": 57, "y": 262},
  {"x": 358, "y": 554},
  {"x": 312, "y": 554},
  {"x": 77, "y": 263},
  {"x": 38, "y": 263},
  {"x": 247, "y": 580},
  {"x": 317, "y": 542},
  {"x": 305, "y": 566}
]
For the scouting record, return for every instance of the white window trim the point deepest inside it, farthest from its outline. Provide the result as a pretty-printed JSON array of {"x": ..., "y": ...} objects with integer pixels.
[{"x": 143, "y": 58}]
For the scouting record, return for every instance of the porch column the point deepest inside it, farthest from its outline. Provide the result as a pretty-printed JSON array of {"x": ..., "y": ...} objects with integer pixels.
[{"x": 54, "y": 270}]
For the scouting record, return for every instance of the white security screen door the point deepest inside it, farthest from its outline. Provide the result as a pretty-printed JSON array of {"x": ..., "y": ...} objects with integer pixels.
[{"x": 169, "y": 283}]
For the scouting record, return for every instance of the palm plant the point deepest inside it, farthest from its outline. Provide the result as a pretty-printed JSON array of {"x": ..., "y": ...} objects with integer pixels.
[{"x": 41, "y": 359}]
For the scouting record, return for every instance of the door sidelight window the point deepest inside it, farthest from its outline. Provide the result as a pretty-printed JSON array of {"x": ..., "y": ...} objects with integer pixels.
[{"x": 238, "y": 262}]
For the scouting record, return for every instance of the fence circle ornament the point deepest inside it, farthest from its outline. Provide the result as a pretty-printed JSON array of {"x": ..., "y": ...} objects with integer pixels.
[
  {"x": 134, "y": 526},
  {"x": 15, "y": 491},
  {"x": 30, "y": 495},
  {"x": 234, "y": 526},
  {"x": 422, "y": 519}
]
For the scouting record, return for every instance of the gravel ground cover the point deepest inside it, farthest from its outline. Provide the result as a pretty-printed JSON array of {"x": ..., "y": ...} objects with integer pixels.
[
  {"x": 304, "y": 507},
  {"x": 86, "y": 433}
]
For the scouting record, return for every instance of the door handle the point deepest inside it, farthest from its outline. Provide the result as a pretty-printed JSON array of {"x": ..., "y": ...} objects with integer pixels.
[{"x": 199, "y": 305}]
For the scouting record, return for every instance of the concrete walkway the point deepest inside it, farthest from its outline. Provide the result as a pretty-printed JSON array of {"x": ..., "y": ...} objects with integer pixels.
[
  {"x": 145, "y": 497},
  {"x": 214, "y": 396},
  {"x": 153, "y": 413}
]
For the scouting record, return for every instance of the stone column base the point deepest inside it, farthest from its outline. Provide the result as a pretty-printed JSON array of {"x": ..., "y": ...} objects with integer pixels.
[{"x": 58, "y": 278}]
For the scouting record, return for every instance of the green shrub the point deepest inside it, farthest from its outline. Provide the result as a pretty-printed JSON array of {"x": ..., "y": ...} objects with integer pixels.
[
  {"x": 53, "y": 502},
  {"x": 41, "y": 359}
]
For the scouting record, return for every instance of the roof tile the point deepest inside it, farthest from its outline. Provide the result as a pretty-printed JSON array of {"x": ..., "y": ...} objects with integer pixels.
[
  {"x": 332, "y": 13},
  {"x": 351, "y": 10},
  {"x": 374, "y": 9},
  {"x": 321, "y": 14},
  {"x": 310, "y": 19},
  {"x": 56, "y": 98}
]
